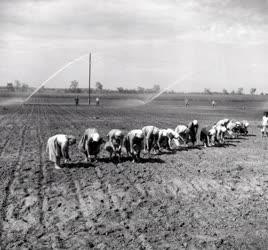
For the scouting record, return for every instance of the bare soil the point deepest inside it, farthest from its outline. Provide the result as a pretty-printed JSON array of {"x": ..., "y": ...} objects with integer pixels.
[{"x": 213, "y": 198}]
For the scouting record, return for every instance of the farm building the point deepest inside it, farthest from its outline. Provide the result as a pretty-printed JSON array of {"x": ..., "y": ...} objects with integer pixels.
[{"x": 8, "y": 88}]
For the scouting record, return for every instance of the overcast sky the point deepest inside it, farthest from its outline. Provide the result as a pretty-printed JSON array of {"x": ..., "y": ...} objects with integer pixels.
[{"x": 220, "y": 43}]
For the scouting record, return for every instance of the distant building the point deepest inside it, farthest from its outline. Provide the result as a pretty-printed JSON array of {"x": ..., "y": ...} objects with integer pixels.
[{"x": 10, "y": 87}]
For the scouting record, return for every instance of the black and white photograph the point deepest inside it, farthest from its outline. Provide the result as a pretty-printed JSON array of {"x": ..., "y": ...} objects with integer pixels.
[{"x": 134, "y": 124}]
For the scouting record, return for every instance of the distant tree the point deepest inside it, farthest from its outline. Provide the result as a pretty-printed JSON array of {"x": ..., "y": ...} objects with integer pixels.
[
  {"x": 240, "y": 91},
  {"x": 24, "y": 87},
  {"x": 156, "y": 88},
  {"x": 207, "y": 91},
  {"x": 127, "y": 91},
  {"x": 120, "y": 90},
  {"x": 232, "y": 92},
  {"x": 99, "y": 86},
  {"x": 225, "y": 92},
  {"x": 17, "y": 84},
  {"x": 141, "y": 90},
  {"x": 261, "y": 93},
  {"x": 74, "y": 86},
  {"x": 253, "y": 91}
]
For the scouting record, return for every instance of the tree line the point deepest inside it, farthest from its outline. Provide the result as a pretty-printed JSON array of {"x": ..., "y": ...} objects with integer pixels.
[
  {"x": 239, "y": 91},
  {"x": 74, "y": 88},
  {"x": 155, "y": 89},
  {"x": 18, "y": 86}
]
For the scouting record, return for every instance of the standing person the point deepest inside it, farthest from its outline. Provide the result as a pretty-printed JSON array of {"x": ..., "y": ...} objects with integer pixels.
[
  {"x": 186, "y": 102},
  {"x": 264, "y": 124},
  {"x": 97, "y": 101},
  {"x": 76, "y": 100},
  {"x": 58, "y": 147},
  {"x": 213, "y": 103}
]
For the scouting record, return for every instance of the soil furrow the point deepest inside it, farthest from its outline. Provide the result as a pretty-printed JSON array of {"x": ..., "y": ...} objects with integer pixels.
[
  {"x": 16, "y": 167},
  {"x": 41, "y": 181},
  {"x": 46, "y": 178},
  {"x": 10, "y": 120},
  {"x": 73, "y": 117}
]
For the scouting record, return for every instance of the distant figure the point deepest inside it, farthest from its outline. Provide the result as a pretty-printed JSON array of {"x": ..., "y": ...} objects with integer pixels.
[
  {"x": 264, "y": 124},
  {"x": 58, "y": 147},
  {"x": 76, "y": 100},
  {"x": 97, "y": 101},
  {"x": 213, "y": 103},
  {"x": 186, "y": 102}
]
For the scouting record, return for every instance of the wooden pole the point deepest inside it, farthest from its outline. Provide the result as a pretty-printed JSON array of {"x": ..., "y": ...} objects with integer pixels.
[{"x": 89, "y": 76}]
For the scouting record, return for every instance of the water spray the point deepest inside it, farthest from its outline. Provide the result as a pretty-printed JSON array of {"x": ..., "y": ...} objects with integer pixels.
[
  {"x": 54, "y": 75},
  {"x": 185, "y": 77}
]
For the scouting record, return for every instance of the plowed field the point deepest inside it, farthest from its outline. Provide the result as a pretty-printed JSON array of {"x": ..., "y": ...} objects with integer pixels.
[{"x": 190, "y": 199}]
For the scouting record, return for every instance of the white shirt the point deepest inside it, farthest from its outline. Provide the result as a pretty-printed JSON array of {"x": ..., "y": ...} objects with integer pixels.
[
  {"x": 245, "y": 123},
  {"x": 264, "y": 121},
  {"x": 162, "y": 132},
  {"x": 180, "y": 129},
  {"x": 136, "y": 133},
  {"x": 212, "y": 131},
  {"x": 172, "y": 133},
  {"x": 223, "y": 122},
  {"x": 61, "y": 139}
]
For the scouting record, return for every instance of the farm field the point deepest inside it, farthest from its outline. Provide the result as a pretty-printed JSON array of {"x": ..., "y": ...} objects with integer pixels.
[{"x": 213, "y": 198}]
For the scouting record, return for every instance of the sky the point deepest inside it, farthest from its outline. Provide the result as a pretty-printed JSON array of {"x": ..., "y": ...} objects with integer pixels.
[{"x": 215, "y": 43}]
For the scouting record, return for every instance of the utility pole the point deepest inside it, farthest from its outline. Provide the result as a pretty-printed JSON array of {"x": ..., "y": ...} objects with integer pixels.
[{"x": 89, "y": 76}]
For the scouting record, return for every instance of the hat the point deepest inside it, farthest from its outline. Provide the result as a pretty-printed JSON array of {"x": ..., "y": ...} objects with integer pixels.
[
  {"x": 95, "y": 137},
  {"x": 195, "y": 122},
  {"x": 223, "y": 129},
  {"x": 139, "y": 133}
]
